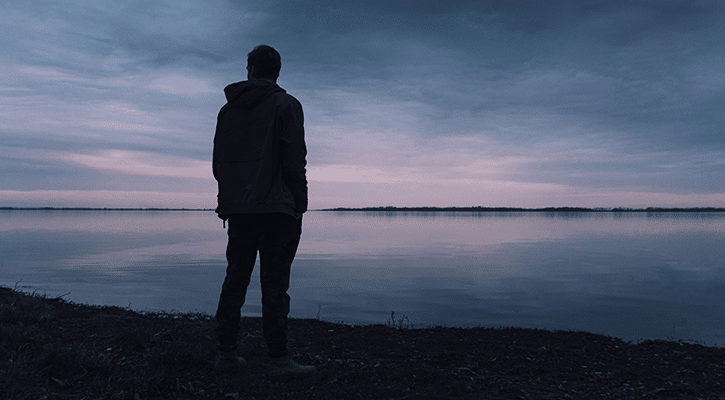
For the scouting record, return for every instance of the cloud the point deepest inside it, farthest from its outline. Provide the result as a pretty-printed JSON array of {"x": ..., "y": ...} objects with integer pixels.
[
  {"x": 106, "y": 198},
  {"x": 183, "y": 85},
  {"x": 142, "y": 163},
  {"x": 535, "y": 100},
  {"x": 348, "y": 173}
]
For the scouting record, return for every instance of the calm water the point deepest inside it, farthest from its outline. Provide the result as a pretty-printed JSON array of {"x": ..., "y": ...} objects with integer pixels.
[{"x": 633, "y": 275}]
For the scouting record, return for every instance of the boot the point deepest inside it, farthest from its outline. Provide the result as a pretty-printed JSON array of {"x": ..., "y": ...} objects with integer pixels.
[
  {"x": 227, "y": 360},
  {"x": 285, "y": 366}
]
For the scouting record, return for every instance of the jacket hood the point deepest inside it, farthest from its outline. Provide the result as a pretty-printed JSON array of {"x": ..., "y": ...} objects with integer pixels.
[{"x": 247, "y": 94}]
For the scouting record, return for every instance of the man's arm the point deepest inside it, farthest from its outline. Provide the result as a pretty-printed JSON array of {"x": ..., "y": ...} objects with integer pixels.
[
  {"x": 294, "y": 154},
  {"x": 214, "y": 157}
]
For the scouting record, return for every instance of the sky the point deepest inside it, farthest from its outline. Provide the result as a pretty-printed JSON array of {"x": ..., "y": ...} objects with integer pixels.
[{"x": 407, "y": 103}]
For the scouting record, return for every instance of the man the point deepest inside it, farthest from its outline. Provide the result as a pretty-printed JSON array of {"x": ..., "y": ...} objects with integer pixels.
[{"x": 259, "y": 164}]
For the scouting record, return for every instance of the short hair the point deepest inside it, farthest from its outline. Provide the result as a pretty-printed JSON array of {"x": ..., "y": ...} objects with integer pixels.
[{"x": 266, "y": 62}]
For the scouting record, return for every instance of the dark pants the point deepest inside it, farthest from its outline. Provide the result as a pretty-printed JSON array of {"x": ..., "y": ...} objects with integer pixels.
[{"x": 276, "y": 237}]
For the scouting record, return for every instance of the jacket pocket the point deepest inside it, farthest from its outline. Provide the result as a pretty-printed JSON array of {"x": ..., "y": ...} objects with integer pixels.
[{"x": 242, "y": 182}]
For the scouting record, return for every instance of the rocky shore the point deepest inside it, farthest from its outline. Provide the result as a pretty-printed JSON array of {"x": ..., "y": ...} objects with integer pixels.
[{"x": 53, "y": 349}]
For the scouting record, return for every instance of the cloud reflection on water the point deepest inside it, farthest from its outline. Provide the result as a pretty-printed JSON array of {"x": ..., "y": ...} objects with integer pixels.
[{"x": 627, "y": 275}]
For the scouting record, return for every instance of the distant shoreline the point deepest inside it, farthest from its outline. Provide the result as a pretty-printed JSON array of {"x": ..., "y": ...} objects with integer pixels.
[
  {"x": 515, "y": 209},
  {"x": 404, "y": 209},
  {"x": 101, "y": 209}
]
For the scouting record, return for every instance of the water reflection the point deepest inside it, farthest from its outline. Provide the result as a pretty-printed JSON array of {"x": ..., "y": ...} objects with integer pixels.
[{"x": 632, "y": 275}]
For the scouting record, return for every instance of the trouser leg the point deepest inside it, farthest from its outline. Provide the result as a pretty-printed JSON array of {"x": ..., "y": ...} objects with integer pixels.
[
  {"x": 241, "y": 256},
  {"x": 278, "y": 246}
]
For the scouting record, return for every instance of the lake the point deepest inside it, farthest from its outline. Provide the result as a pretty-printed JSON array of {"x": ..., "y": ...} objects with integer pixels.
[{"x": 631, "y": 275}]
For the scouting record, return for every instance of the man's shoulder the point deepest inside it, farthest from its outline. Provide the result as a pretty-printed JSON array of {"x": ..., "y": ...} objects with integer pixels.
[
  {"x": 287, "y": 99},
  {"x": 286, "y": 96}
]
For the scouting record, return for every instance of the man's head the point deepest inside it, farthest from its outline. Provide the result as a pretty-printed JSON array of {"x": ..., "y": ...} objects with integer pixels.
[{"x": 263, "y": 63}]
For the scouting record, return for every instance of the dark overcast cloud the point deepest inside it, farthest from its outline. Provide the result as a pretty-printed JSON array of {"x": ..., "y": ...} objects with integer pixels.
[{"x": 556, "y": 101}]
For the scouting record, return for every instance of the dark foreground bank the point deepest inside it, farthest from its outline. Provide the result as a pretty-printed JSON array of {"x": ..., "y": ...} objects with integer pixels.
[{"x": 53, "y": 349}]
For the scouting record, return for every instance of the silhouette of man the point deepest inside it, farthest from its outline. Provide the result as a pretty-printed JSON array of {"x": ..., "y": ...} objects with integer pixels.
[{"x": 259, "y": 164}]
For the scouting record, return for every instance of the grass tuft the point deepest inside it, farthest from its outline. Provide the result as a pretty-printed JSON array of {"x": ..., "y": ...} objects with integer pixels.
[{"x": 400, "y": 323}]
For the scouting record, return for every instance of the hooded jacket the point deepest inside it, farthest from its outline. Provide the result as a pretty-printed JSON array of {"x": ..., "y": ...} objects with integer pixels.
[{"x": 259, "y": 154}]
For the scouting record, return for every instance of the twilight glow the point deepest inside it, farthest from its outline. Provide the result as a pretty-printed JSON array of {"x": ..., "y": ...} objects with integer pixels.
[{"x": 407, "y": 103}]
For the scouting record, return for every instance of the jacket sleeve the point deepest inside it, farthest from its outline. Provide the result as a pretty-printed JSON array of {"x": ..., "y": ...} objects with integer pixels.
[
  {"x": 215, "y": 156},
  {"x": 294, "y": 153}
]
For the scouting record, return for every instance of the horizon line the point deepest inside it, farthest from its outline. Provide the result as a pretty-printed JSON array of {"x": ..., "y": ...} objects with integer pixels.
[
  {"x": 560, "y": 209},
  {"x": 106, "y": 209},
  {"x": 393, "y": 208}
]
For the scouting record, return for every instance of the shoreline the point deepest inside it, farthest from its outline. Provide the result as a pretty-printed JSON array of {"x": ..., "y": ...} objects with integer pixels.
[
  {"x": 99, "y": 209},
  {"x": 409, "y": 209},
  {"x": 516, "y": 209},
  {"x": 55, "y": 349}
]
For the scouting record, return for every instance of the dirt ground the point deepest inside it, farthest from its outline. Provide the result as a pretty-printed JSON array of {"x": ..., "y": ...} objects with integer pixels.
[{"x": 53, "y": 349}]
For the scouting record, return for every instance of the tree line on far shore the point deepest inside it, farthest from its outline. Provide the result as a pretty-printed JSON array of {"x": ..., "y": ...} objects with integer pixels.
[
  {"x": 391, "y": 208},
  {"x": 546, "y": 209}
]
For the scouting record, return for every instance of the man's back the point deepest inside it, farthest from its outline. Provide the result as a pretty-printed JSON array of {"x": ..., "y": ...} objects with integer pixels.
[{"x": 259, "y": 151}]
